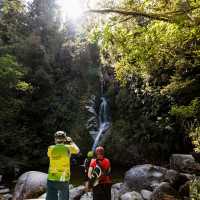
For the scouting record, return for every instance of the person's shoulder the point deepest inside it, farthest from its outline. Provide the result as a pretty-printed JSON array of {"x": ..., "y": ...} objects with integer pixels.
[
  {"x": 51, "y": 146},
  {"x": 106, "y": 160},
  {"x": 93, "y": 161},
  {"x": 68, "y": 146}
]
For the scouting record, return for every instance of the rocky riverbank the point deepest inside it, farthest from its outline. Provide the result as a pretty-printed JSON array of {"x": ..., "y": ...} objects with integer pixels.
[{"x": 141, "y": 182}]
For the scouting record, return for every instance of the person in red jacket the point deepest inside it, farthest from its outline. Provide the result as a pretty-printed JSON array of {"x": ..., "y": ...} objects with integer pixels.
[{"x": 101, "y": 168}]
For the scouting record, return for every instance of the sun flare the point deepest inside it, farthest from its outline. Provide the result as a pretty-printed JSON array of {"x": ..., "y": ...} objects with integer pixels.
[{"x": 72, "y": 9}]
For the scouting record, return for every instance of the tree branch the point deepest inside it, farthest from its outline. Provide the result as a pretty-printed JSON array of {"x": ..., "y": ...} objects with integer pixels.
[
  {"x": 123, "y": 20},
  {"x": 167, "y": 17},
  {"x": 132, "y": 13}
]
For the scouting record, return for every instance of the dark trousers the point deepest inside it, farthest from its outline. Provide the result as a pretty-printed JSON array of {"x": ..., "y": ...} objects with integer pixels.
[
  {"x": 102, "y": 192},
  {"x": 57, "y": 190}
]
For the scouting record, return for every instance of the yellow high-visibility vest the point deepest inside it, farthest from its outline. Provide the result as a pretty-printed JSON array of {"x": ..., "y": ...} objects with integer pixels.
[{"x": 59, "y": 157}]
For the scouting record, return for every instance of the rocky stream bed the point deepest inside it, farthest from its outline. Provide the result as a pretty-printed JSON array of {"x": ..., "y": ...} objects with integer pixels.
[{"x": 141, "y": 182}]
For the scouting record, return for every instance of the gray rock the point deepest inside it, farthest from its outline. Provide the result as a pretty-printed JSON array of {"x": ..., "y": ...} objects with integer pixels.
[
  {"x": 182, "y": 162},
  {"x": 7, "y": 196},
  {"x": 144, "y": 177},
  {"x": 146, "y": 194},
  {"x": 165, "y": 191},
  {"x": 87, "y": 196},
  {"x": 124, "y": 189},
  {"x": 189, "y": 176},
  {"x": 30, "y": 185},
  {"x": 115, "y": 191},
  {"x": 175, "y": 179},
  {"x": 1, "y": 178},
  {"x": 71, "y": 186},
  {"x": 76, "y": 193},
  {"x": 43, "y": 196},
  {"x": 131, "y": 196},
  {"x": 3, "y": 191}
]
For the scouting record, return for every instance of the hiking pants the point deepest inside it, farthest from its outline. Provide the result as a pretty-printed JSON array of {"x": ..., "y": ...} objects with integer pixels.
[
  {"x": 102, "y": 192},
  {"x": 57, "y": 190}
]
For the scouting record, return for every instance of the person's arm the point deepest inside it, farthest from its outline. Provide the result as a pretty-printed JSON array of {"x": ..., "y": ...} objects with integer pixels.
[
  {"x": 49, "y": 151},
  {"x": 91, "y": 167},
  {"x": 90, "y": 172},
  {"x": 74, "y": 149}
]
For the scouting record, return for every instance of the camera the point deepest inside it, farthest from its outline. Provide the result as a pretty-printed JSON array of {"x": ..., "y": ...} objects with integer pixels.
[{"x": 68, "y": 140}]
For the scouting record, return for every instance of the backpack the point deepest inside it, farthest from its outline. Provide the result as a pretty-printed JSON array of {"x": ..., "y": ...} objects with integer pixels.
[{"x": 97, "y": 172}]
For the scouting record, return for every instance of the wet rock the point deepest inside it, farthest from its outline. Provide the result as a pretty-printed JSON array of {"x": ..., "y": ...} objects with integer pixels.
[
  {"x": 184, "y": 163},
  {"x": 77, "y": 192},
  {"x": 165, "y": 191},
  {"x": 30, "y": 185},
  {"x": 131, "y": 196},
  {"x": 146, "y": 194},
  {"x": 144, "y": 177}
]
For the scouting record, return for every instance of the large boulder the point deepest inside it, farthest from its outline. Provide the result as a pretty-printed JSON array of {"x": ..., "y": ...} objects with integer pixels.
[
  {"x": 30, "y": 185},
  {"x": 131, "y": 196},
  {"x": 165, "y": 191},
  {"x": 184, "y": 163},
  {"x": 144, "y": 177},
  {"x": 149, "y": 177}
]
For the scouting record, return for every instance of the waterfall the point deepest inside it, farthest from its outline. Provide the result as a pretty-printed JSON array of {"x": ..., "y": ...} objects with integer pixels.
[
  {"x": 104, "y": 123},
  {"x": 99, "y": 122}
]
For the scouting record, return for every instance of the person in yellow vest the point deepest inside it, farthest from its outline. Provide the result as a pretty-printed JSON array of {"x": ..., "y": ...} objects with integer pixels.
[{"x": 59, "y": 166}]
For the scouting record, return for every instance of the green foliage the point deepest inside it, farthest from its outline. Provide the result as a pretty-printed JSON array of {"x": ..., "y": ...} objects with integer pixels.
[
  {"x": 194, "y": 133},
  {"x": 10, "y": 72},
  {"x": 156, "y": 65},
  {"x": 190, "y": 111},
  {"x": 195, "y": 189}
]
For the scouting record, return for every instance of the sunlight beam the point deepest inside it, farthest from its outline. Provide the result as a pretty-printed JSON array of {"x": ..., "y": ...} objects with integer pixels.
[{"x": 72, "y": 9}]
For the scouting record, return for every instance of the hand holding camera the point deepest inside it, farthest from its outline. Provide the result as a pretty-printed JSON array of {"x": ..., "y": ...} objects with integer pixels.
[{"x": 68, "y": 140}]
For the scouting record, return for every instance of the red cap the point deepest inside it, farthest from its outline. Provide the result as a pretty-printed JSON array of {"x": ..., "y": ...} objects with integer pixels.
[{"x": 99, "y": 150}]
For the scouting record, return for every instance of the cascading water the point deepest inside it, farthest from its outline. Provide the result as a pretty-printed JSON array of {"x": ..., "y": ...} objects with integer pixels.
[
  {"x": 98, "y": 124},
  {"x": 104, "y": 123}
]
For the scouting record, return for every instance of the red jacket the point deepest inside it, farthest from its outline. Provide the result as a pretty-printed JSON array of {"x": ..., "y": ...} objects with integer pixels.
[{"x": 105, "y": 167}]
